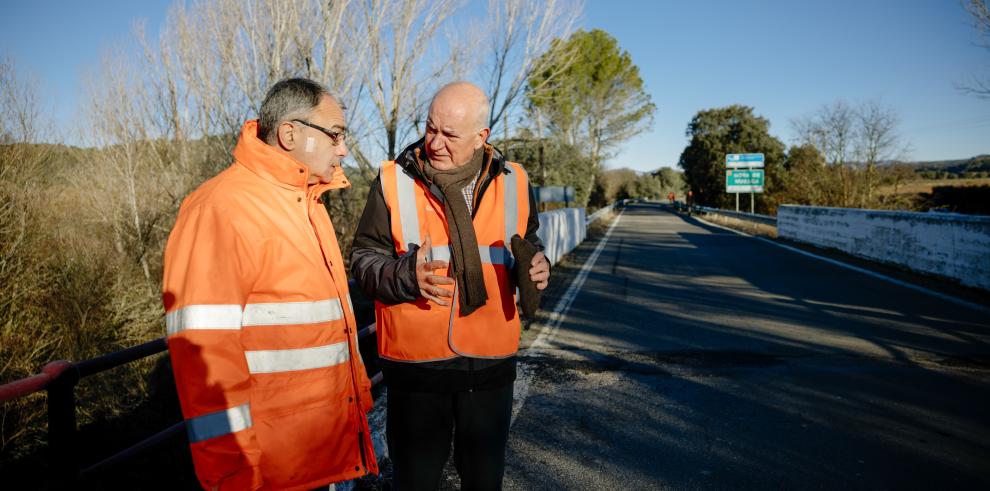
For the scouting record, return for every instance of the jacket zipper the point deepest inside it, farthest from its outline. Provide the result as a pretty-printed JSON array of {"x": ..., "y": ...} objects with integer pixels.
[{"x": 351, "y": 341}]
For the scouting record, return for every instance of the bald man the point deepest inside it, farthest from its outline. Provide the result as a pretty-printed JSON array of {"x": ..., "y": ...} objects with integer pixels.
[{"x": 433, "y": 249}]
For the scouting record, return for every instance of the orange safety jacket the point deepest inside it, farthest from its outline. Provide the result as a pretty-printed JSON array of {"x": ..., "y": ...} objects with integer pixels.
[
  {"x": 421, "y": 331},
  {"x": 261, "y": 329}
]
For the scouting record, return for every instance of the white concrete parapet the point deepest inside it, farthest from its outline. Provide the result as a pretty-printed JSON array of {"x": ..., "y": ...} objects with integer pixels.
[
  {"x": 946, "y": 244},
  {"x": 561, "y": 231}
]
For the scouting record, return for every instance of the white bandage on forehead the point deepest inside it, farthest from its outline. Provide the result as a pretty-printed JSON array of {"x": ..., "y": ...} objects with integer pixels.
[{"x": 310, "y": 144}]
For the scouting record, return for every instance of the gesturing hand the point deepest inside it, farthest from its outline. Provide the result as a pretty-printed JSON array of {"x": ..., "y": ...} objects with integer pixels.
[
  {"x": 539, "y": 271},
  {"x": 429, "y": 283}
]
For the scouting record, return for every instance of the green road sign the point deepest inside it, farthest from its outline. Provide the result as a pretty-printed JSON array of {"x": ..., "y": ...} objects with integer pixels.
[{"x": 744, "y": 180}]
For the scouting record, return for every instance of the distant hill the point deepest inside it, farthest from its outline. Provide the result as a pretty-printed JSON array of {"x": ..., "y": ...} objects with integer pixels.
[{"x": 979, "y": 163}]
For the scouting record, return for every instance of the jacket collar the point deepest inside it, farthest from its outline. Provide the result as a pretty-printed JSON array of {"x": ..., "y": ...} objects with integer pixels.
[
  {"x": 278, "y": 167},
  {"x": 407, "y": 160}
]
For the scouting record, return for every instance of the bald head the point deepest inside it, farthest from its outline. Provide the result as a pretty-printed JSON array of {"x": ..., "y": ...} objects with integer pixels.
[
  {"x": 457, "y": 125},
  {"x": 467, "y": 97}
]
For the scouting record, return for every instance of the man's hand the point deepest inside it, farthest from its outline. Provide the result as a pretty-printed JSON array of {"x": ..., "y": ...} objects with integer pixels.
[
  {"x": 429, "y": 283},
  {"x": 539, "y": 271}
]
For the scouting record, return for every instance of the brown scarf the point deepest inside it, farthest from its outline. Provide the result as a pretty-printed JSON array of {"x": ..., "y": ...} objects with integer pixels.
[{"x": 466, "y": 260}]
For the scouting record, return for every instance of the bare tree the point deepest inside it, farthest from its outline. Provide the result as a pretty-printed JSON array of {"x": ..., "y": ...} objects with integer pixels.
[
  {"x": 519, "y": 32},
  {"x": 226, "y": 53},
  {"x": 979, "y": 10},
  {"x": 831, "y": 130},
  {"x": 877, "y": 142},
  {"x": 205, "y": 76},
  {"x": 20, "y": 168},
  {"x": 877, "y": 137},
  {"x": 399, "y": 34},
  {"x": 216, "y": 58},
  {"x": 124, "y": 179},
  {"x": 20, "y": 107},
  {"x": 853, "y": 141},
  {"x": 24, "y": 267}
]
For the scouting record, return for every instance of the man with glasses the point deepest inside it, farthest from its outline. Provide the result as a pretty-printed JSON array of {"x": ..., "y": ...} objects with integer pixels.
[{"x": 261, "y": 331}]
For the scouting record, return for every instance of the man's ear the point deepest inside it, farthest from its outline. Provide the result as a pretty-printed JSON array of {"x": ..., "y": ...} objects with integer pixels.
[
  {"x": 288, "y": 137},
  {"x": 482, "y": 137}
]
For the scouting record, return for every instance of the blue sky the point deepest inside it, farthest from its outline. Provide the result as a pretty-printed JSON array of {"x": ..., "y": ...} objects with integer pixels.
[
  {"x": 784, "y": 58},
  {"x": 787, "y": 58}
]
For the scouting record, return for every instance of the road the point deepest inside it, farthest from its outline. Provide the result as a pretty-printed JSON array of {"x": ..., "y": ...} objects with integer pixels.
[{"x": 696, "y": 358}]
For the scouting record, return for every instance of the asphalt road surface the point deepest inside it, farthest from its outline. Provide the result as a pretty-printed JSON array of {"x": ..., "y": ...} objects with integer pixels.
[{"x": 696, "y": 358}]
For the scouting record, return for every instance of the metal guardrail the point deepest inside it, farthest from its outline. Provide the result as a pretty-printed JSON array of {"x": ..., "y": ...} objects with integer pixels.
[
  {"x": 602, "y": 211},
  {"x": 598, "y": 214},
  {"x": 59, "y": 379},
  {"x": 740, "y": 215},
  {"x": 749, "y": 217}
]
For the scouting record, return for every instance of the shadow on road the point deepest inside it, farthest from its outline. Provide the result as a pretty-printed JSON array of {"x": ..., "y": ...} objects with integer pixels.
[{"x": 697, "y": 358}]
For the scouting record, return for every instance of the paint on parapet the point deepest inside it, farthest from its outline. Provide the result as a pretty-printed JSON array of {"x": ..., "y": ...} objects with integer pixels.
[{"x": 945, "y": 244}]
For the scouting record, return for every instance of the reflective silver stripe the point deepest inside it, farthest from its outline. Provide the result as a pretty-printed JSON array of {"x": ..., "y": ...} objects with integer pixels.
[
  {"x": 220, "y": 423},
  {"x": 203, "y": 317},
  {"x": 287, "y": 360},
  {"x": 440, "y": 253},
  {"x": 511, "y": 204},
  {"x": 489, "y": 255},
  {"x": 408, "y": 214},
  {"x": 496, "y": 255},
  {"x": 287, "y": 313}
]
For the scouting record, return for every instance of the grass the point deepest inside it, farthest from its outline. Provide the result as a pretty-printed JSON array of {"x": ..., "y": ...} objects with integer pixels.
[{"x": 926, "y": 185}]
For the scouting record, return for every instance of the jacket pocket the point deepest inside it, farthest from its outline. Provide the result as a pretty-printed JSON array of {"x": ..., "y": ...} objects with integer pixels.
[{"x": 302, "y": 446}]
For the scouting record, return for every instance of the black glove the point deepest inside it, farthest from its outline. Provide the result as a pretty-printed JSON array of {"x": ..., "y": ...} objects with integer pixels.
[{"x": 529, "y": 296}]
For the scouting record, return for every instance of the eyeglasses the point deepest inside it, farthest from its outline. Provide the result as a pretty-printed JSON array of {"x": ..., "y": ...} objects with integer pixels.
[{"x": 337, "y": 137}]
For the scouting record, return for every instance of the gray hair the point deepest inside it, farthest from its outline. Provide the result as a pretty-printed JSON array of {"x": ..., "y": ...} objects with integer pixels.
[{"x": 288, "y": 99}]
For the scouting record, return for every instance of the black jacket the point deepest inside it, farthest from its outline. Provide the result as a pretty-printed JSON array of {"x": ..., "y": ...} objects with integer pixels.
[{"x": 389, "y": 278}]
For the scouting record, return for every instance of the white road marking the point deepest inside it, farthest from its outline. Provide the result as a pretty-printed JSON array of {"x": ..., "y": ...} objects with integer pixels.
[
  {"x": 941, "y": 296},
  {"x": 525, "y": 373}
]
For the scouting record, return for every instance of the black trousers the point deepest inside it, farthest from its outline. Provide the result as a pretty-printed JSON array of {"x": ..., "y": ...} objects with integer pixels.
[{"x": 420, "y": 426}]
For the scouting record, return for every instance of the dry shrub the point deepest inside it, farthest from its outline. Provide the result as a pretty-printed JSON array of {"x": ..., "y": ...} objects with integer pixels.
[
  {"x": 27, "y": 338},
  {"x": 67, "y": 291}
]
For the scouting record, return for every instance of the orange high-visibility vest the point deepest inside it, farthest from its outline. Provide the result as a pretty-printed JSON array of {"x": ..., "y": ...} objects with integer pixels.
[
  {"x": 261, "y": 329},
  {"x": 424, "y": 331}
]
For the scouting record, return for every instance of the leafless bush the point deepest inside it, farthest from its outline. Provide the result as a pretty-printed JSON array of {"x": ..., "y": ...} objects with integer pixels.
[
  {"x": 853, "y": 141},
  {"x": 26, "y": 339},
  {"x": 66, "y": 293}
]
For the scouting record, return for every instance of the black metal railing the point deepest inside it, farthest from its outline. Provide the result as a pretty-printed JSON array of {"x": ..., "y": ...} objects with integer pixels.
[{"x": 59, "y": 379}]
